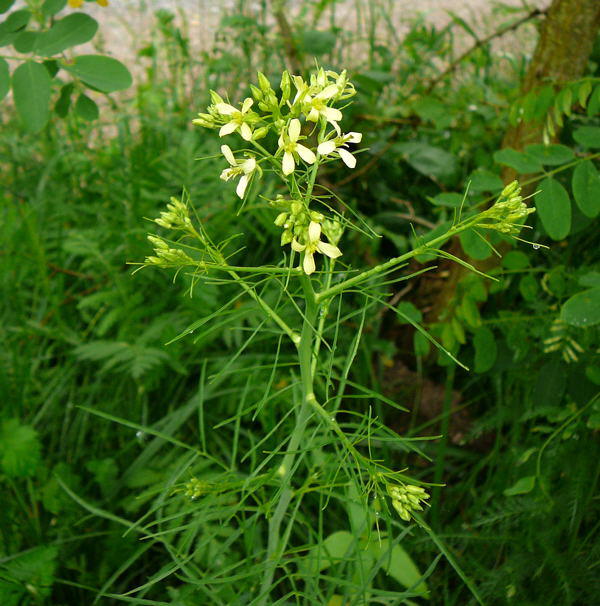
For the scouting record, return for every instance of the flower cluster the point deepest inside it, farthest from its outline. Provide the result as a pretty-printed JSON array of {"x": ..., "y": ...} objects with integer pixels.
[
  {"x": 195, "y": 488},
  {"x": 508, "y": 212},
  {"x": 407, "y": 499},
  {"x": 307, "y": 132},
  {"x": 175, "y": 217},
  {"x": 165, "y": 256},
  {"x": 302, "y": 230}
]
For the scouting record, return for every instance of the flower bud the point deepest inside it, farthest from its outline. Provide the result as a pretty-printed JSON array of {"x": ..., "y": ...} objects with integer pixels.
[{"x": 281, "y": 219}]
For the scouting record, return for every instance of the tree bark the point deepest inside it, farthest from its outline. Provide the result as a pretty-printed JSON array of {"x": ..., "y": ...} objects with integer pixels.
[{"x": 566, "y": 40}]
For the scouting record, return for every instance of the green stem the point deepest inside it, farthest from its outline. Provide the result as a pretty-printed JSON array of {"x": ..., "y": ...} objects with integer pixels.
[
  {"x": 419, "y": 250},
  {"x": 271, "y": 313},
  {"x": 276, "y": 543}
]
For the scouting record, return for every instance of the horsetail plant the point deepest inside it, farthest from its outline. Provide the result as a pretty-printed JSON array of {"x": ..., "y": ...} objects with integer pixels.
[{"x": 292, "y": 133}]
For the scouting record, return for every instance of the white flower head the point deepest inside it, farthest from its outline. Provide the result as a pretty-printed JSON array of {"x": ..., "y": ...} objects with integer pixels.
[
  {"x": 313, "y": 245},
  {"x": 238, "y": 119},
  {"x": 315, "y": 107},
  {"x": 288, "y": 141},
  {"x": 338, "y": 147},
  {"x": 238, "y": 168}
]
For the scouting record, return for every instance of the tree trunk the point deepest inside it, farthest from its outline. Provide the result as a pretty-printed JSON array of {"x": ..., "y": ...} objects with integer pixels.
[
  {"x": 567, "y": 36},
  {"x": 566, "y": 40}
]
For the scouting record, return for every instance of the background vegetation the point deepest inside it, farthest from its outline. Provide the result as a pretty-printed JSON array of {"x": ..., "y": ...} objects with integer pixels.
[{"x": 101, "y": 422}]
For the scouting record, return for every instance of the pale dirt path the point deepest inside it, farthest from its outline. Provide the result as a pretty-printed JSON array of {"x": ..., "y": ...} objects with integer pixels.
[{"x": 127, "y": 24}]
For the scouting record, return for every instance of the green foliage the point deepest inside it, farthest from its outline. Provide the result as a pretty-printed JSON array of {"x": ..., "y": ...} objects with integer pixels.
[
  {"x": 46, "y": 43},
  {"x": 103, "y": 426}
]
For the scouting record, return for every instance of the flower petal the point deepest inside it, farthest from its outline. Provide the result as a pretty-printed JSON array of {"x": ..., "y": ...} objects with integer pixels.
[
  {"x": 306, "y": 154},
  {"x": 347, "y": 157},
  {"x": 248, "y": 165},
  {"x": 297, "y": 246},
  {"x": 227, "y": 129},
  {"x": 246, "y": 132},
  {"x": 247, "y": 104},
  {"x": 294, "y": 130},
  {"x": 288, "y": 164},
  {"x": 313, "y": 115},
  {"x": 309, "y": 263},
  {"x": 328, "y": 92},
  {"x": 354, "y": 137},
  {"x": 332, "y": 114},
  {"x": 326, "y": 147},
  {"x": 314, "y": 231},
  {"x": 226, "y": 151},
  {"x": 225, "y": 109},
  {"x": 329, "y": 250},
  {"x": 240, "y": 190}
]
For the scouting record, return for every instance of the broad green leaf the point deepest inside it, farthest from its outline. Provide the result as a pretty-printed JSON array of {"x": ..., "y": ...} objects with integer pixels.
[
  {"x": 554, "y": 208},
  {"x": 86, "y": 108},
  {"x": 104, "y": 73},
  {"x": 5, "y": 5},
  {"x": 586, "y": 189},
  {"x": 51, "y": 7},
  {"x": 582, "y": 309},
  {"x": 64, "y": 101},
  {"x": 31, "y": 92},
  {"x": 588, "y": 136},
  {"x": 515, "y": 260},
  {"x": 398, "y": 564},
  {"x": 594, "y": 103},
  {"x": 521, "y": 486},
  {"x": 12, "y": 25},
  {"x": 584, "y": 92},
  {"x": 20, "y": 449},
  {"x": 4, "y": 78},
  {"x": 15, "y": 21},
  {"x": 421, "y": 345},
  {"x": 428, "y": 160},
  {"x": 528, "y": 287},
  {"x": 334, "y": 549},
  {"x": 449, "y": 199},
  {"x": 34, "y": 568},
  {"x": 475, "y": 245},
  {"x": 25, "y": 41},
  {"x": 406, "y": 310},
  {"x": 523, "y": 163},
  {"x": 73, "y": 30},
  {"x": 483, "y": 180},
  {"x": 469, "y": 312},
  {"x": 551, "y": 155},
  {"x": 486, "y": 350},
  {"x": 591, "y": 279}
]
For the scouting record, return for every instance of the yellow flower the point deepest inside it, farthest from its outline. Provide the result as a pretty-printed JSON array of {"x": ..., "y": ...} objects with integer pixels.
[
  {"x": 291, "y": 148},
  {"x": 313, "y": 245},
  {"x": 79, "y": 3},
  {"x": 243, "y": 168},
  {"x": 238, "y": 119},
  {"x": 338, "y": 146}
]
